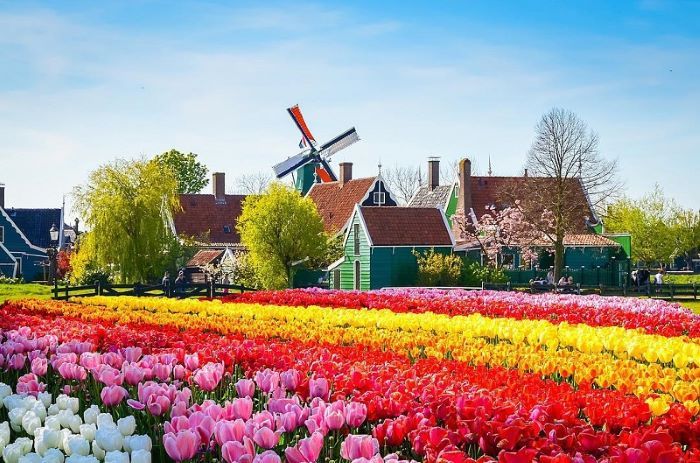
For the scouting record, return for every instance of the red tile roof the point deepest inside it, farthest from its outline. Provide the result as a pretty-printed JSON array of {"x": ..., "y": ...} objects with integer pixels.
[
  {"x": 204, "y": 257},
  {"x": 335, "y": 201},
  {"x": 588, "y": 239},
  {"x": 487, "y": 191},
  {"x": 406, "y": 226},
  {"x": 205, "y": 219}
]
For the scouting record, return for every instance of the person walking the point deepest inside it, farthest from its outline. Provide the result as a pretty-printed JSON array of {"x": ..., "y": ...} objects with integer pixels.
[
  {"x": 180, "y": 282},
  {"x": 165, "y": 282},
  {"x": 659, "y": 280}
]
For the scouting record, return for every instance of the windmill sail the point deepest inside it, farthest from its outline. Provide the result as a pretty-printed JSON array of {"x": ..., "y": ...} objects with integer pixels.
[
  {"x": 298, "y": 119},
  {"x": 339, "y": 143},
  {"x": 291, "y": 164}
]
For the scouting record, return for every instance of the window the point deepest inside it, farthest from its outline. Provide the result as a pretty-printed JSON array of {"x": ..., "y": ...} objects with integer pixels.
[
  {"x": 357, "y": 274},
  {"x": 379, "y": 198},
  {"x": 336, "y": 279},
  {"x": 356, "y": 238},
  {"x": 2, "y": 234},
  {"x": 227, "y": 228}
]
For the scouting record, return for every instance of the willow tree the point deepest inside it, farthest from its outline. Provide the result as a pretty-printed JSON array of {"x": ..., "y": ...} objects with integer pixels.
[{"x": 126, "y": 205}]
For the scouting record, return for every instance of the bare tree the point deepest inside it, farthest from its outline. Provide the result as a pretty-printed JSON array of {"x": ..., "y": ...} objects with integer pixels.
[
  {"x": 564, "y": 159},
  {"x": 251, "y": 184},
  {"x": 403, "y": 181}
]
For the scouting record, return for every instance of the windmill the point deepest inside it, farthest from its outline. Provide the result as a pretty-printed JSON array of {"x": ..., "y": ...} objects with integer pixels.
[{"x": 313, "y": 160}]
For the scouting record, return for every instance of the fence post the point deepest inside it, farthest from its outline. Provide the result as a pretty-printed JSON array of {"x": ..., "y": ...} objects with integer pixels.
[
  {"x": 600, "y": 286},
  {"x": 695, "y": 291},
  {"x": 66, "y": 291},
  {"x": 137, "y": 289},
  {"x": 97, "y": 287},
  {"x": 671, "y": 286},
  {"x": 508, "y": 286},
  {"x": 624, "y": 288},
  {"x": 648, "y": 289},
  {"x": 211, "y": 288}
]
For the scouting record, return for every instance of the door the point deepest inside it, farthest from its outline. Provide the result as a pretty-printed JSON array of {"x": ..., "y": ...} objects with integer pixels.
[
  {"x": 357, "y": 274},
  {"x": 336, "y": 279}
]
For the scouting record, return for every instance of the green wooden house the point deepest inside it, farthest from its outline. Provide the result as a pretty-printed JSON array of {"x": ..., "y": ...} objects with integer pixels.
[{"x": 380, "y": 243}]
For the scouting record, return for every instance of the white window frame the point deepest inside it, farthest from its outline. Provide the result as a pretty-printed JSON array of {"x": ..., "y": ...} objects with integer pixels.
[
  {"x": 382, "y": 198},
  {"x": 357, "y": 275}
]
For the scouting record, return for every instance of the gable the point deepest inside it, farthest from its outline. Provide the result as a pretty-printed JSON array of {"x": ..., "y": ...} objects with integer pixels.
[
  {"x": 35, "y": 224},
  {"x": 13, "y": 238},
  {"x": 335, "y": 202},
  {"x": 406, "y": 226},
  {"x": 379, "y": 195},
  {"x": 208, "y": 220}
]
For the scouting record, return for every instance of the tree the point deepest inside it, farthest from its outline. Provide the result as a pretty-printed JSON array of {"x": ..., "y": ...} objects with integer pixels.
[
  {"x": 438, "y": 269},
  {"x": 281, "y": 230},
  {"x": 191, "y": 174},
  {"x": 403, "y": 181},
  {"x": 125, "y": 205},
  {"x": 661, "y": 230},
  {"x": 504, "y": 229},
  {"x": 252, "y": 184},
  {"x": 565, "y": 151}
]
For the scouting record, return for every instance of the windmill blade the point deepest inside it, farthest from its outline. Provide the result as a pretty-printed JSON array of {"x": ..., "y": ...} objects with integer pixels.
[
  {"x": 325, "y": 173},
  {"x": 339, "y": 143},
  {"x": 291, "y": 164},
  {"x": 298, "y": 119}
]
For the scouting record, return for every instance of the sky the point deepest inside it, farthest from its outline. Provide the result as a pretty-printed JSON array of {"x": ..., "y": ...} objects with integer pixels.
[{"x": 83, "y": 83}]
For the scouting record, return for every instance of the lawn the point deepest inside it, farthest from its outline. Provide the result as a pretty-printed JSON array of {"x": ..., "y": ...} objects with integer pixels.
[
  {"x": 692, "y": 305},
  {"x": 8, "y": 292}
]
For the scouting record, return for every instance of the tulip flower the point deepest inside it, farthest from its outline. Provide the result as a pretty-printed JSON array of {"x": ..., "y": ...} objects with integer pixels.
[
  {"x": 181, "y": 446},
  {"x": 306, "y": 451},
  {"x": 359, "y": 446},
  {"x": 113, "y": 395}
]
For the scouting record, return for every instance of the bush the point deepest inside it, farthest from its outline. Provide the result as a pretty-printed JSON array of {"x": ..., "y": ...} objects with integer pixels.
[
  {"x": 10, "y": 281},
  {"x": 682, "y": 279},
  {"x": 475, "y": 274},
  {"x": 437, "y": 269}
]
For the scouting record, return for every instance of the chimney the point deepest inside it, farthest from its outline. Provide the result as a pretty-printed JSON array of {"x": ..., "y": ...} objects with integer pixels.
[
  {"x": 433, "y": 172},
  {"x": 345, "y": 172},
  {"x": 2, "y": 196},
  {"x": 75, "y": 227},
  {"x": 464, "y": 201},
  {"x": 219, "y": 186},
  {"x": 525, "y": 173}
]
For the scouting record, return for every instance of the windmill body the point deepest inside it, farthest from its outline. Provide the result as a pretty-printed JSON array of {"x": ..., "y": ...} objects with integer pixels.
[{"x": 312, "y": 163}]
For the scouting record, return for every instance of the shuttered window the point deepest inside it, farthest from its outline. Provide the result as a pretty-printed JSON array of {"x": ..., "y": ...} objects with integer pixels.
[{"x": 356, "y": 238}]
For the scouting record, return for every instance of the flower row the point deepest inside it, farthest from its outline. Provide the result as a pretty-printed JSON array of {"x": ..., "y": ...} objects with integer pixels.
[{"x": 653, "y": 316}]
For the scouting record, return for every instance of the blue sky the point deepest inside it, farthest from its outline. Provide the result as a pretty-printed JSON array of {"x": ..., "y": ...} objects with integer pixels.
[{"x": 82, "y": 83}]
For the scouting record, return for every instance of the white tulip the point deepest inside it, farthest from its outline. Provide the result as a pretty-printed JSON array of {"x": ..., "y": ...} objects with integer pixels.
[
  {"x": 138, "y": 442},
  {"x": 12, "y": 453},
  {"x": 78, "y": 445},
  {"x": 62, "y": 402},
  {"x": 116, "y": 457},
  {"x": 30, "y": 458},
  {"x": 97, "y": 451},
  {"x": 88, "y": 431},
  {"x": 127, "y": 425},
  {"x": 16, "y": 415},
  {"x": 64, "y": 417},
  {"x": 53, "y": 456},
  {"x": 53, "y": 410},
  {"x": 14, "y": 401},
  {"x": 39, "y": 410},
  {"x": 74, "y": 404},
  {"x": 74, "y": 423},
  {"x": 82, "y": 459},
  {"x": 5, "y": 390},
  {"x": 44, "y": 439},
  {"x": 25, "y": 444},
  {"x": 30, "y": 422},
  {"x": 4, "y": 433},
  {"x": 140, "y": 456},
  {"x": 64, "y": 435},
  {"x": 104, "y": 419},
  {"x": 53, "y": 422},
  {"x": 109, "y": 438},
  {"x": 45, "y": 398},
  {"x": 90, "y": 414}
]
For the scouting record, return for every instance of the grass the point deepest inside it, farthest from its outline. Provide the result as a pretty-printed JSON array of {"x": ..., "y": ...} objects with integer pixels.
[
  {"x": 682, "y": 279},
  {"x": 692, "y": 305},
  {"x": 21, "y": 291}
]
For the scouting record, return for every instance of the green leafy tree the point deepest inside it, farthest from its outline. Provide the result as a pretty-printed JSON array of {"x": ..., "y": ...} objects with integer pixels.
[
  {"x": 190, "y": 173},
  {"x": 281, "y": 230},
  {"x": 438, "y": 269},
  {"x": 125, "y": 205},
  {"x": 661, "y": 230}
]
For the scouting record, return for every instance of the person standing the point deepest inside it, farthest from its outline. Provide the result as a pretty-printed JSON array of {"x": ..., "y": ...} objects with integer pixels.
[
  {"x": 180, "y": 282},
  {"x": 165, "y": 282},
  {"x": 659, "y": 280}
]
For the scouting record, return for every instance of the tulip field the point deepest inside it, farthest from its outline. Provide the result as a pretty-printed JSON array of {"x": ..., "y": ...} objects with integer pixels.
[{"x": 307, "y": 376}]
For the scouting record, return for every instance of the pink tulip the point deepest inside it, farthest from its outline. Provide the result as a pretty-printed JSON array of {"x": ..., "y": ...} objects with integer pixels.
[
  {"x": 179, "y": 372},
  {"x": 306, "y": 451},
  {"x": 359, "y": 446},
  {"x": 267, "y": 380},
  {"x": 287, "y": 422},
  {"x": 266, "y": 438},
  {"x": 39, "y": 366},
  {"x": 158, "y": 405},
  {"x": 29, "y": 384},
  {"x": 162, "y": 372},
  {"x": 133, "y": 374},
  {"x": 16, "y": 361},
  {"x": 132, "y": 354},
  {"x": 113, "y": 395},
  {"x": 319, "y": 388},
  {"x": 290, "y": 379},
  {"x": 226, "y": 431},
  {"x": 355, "y": 414},
  {"x": 179, "y": 408},
  {"x": 192, "y": 361},
  {"x": 239, "y": 408},
  {"x": 181, "y": 446},
  {"x": 176, "y": 424},
  {"x": 245, "y": 388},
  {"x": 72, "y": 371},
  {"x": 238, "y": 452},
  {"x": 203, "y": 424},
  {"x": 107, "y": 375},
  {"x": 334, "y": 419},
  {"x": 90, "y": 360},
  {"x": 209, "y": 376},
  {"x": 267, "y": 457}
]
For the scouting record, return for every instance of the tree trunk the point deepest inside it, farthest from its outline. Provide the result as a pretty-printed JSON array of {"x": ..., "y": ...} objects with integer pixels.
[{"x": 558, "y": 256}]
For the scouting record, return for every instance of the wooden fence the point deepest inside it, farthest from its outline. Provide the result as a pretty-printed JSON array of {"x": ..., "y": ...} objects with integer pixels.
[
  {"x": 183, "y": 291},
  {"x": 666, "y": 291}
]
